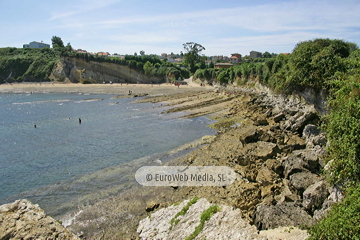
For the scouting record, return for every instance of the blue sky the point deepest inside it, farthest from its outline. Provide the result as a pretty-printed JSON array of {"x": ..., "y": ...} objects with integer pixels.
[{"x": 159, "y": 26}]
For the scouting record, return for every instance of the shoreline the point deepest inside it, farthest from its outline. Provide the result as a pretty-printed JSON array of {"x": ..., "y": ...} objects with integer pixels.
[
  {"x": 115, "y": 88},
  {"x": 258, "y": 136}
]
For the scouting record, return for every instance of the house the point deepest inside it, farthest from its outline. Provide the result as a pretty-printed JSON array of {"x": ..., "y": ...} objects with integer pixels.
[
  {"x": 235, "y": 58},
  {"x": 81, "y": 51},
  {"x": 254, "y": 54},
  {"x": 223, "y": 65},
  {"x": 35, "y": 44},
  {"x": 103, "y": 54}
]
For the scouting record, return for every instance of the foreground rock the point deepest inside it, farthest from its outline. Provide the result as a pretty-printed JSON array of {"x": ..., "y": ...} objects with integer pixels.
[
  {"x": 225, "y": 223},
  {"x": 24, "y": 220}
]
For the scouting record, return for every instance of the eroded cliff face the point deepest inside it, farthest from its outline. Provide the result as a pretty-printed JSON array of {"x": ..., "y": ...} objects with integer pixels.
[{"x": 76, "y": 70}]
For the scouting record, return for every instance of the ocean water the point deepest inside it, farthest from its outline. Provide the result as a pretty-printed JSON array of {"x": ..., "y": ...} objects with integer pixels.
[{"x": 61, "y": 160}]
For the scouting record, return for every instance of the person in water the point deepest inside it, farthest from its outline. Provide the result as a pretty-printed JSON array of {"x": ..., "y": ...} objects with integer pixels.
[{"x": 80, "y": 120}]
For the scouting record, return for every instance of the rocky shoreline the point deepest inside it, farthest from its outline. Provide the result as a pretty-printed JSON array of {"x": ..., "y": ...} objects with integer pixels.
[{"x": 273, "y": 144}]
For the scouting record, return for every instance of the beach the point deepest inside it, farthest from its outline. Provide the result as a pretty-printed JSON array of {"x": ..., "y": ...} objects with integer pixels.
[
  {"x": 252, "y": 138},
  {"x": 116, "y": 88}
]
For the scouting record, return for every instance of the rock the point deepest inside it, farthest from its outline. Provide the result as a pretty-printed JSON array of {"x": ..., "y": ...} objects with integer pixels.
[
  {"x": 151, "y": 206},
  {"x": 24, "y": 220},
  {"x": 286, "y": 195},
  {"x": 335, "y": 196},
  {"x": 262, "y": 150},
  {"x": 226, "y": 223},
  {"x": 298, "y": 122},
  {"x": 283, "y": 214},
  {"x": 293, "y": 164},
  {"x": 313, "y": 136},
  {"x": 300, "y": 181},
  {"x": 314, "y": 196},
  {"x": 266, "y": 176},
  {"x": 248, "y": 135},
  {"x": 288, "y": 233},
  {"x": 261, "y": 121},
  {"x": 279, "y": 117},
  {"x": 310, "y": 130},
  {"x": 300, "y": 161}
]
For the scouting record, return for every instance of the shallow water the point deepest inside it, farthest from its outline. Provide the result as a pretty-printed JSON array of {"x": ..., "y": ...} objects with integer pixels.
[{"x": 61, "y": 159}]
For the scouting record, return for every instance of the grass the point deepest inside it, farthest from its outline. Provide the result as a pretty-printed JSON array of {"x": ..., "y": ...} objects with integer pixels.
[
  {"x": 225, "y": 122},
  {"x": 205, "y": 216},
  {"x": 174, "y": 221}
]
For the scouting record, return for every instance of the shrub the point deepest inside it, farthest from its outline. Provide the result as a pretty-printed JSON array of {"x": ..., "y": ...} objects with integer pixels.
[{"x": 343, "y": 220}]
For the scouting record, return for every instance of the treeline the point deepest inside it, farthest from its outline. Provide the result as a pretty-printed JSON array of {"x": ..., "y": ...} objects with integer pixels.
[
  {"x": 27, "y": 64},
  {"x": 149, "y": 65},
  {"x": 311, "y": 64}
]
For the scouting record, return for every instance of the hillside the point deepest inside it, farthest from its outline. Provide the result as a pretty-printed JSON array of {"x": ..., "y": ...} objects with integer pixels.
[{"x": 29, "y": 64}]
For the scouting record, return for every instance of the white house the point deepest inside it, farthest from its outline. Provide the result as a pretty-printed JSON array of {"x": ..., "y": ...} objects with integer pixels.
[{"x": 36, "y": 45}]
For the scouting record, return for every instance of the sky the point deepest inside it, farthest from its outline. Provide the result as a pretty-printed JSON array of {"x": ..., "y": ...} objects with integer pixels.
[{"x": 159, "y": 26}]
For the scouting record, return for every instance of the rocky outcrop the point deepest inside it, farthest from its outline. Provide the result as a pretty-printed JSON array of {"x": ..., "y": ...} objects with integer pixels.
[
  {"x": 225, "y": 223},
  {"x": 76, "y": 70},
  {"x": 24, "y": 220},
  {"x": 283, "y": 214}
]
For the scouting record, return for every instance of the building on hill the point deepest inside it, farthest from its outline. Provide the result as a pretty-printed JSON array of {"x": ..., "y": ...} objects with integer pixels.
[
  {"x": 35, "y": 44},
  {"x": 235, "y": 58},
  {"x": 223, "y": 65},
  {"x": 254, "y": 54},
  {"x": 103, "y": 54}
]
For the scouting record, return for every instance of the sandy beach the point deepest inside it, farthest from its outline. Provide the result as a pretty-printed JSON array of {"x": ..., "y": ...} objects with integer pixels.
[{"x": 151, "y": 89}]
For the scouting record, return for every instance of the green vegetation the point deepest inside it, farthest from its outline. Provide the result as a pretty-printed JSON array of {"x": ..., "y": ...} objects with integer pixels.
[
  {"x": 205, "y": 216},
  {"x": 28, "y": 64},
  {"x": 343, "y": 220},
  {"x": 342, "y": 126},
  {"x": 192, "y": 56},
  {"x": 174, "y": 221}
]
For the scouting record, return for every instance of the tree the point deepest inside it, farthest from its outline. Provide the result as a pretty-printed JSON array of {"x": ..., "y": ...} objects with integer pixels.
[
  {"x": 142, "y": 52},
  {"x": 314, "y": 62},
  {"x": 149, "y": 68},
  {"x": 192, "y": 55},
  {"x": 211, "y": 65},
  {"x": 68, "y": 47},
  {"x": 135, "y": 53},
  {"x": 266, "y": 55},
  {"x": 57, "y": 42}
]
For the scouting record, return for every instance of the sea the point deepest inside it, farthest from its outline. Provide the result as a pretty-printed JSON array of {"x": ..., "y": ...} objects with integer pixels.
[{"x": 48, "y": 157}]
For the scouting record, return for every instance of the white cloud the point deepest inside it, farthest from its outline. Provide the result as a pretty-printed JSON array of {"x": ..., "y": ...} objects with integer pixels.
[
  {"x": 82, "y": 7},
  {"x": 272, "y": 26}
]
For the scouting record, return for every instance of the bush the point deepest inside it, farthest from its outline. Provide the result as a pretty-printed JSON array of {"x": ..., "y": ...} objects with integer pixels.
[
  {"x": 343, "y": 220},
  {"x": 342, "y": 125}
]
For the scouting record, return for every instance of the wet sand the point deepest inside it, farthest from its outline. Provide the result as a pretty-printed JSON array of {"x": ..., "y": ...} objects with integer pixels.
[{"x": 116, "y": 88}]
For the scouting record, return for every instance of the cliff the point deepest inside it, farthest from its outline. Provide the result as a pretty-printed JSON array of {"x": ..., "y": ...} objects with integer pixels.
[{"x": 77, "y": 70}]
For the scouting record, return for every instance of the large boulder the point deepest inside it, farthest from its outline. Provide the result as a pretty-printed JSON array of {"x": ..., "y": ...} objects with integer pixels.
[
  {"x": 300, "y": 161},
  {"x": 283, "y": 214},
  {"x": 298, "y": 122},
  {"x": 335, "y": 195},
  {"x": 300, "y": 181},
  {"x": 313, "y": 136},
  {"x": 24, "y": 220},
  {"x": 315, "y": 195}
]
